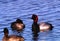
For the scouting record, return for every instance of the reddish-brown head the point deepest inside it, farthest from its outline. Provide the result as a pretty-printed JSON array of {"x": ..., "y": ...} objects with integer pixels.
[{"x": 35, "y": 18}]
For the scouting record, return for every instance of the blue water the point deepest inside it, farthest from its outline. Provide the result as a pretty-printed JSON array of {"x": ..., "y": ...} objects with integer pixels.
[{"x": 47, "y": 11}]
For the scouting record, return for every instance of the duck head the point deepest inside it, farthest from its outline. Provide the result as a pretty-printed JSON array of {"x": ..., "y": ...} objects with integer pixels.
[
  {"x": 6, "y": 32},
  {"x": 19, "y": 21},
  {"x": 35, "y": 18}
]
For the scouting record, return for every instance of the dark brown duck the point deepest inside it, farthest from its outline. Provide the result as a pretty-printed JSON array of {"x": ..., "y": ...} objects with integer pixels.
[
  {"x": 11, "y": 37},
  {"x": 18, "y": 25}
]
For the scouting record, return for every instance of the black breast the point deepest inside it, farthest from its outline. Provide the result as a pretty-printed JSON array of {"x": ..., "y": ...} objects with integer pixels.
[{"x": 35, "y": 28}]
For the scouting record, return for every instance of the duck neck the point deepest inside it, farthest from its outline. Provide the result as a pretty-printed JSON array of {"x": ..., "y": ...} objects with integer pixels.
[
  {"x": 6, "y": 35},
  {"x": 35, "y": 22}
]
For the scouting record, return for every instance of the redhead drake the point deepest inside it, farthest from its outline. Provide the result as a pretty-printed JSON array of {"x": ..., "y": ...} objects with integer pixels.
[
  {"x": 43, "y": 26},
  {"x": 18, "y": 25},
  {"x": 11, "y": 37}
]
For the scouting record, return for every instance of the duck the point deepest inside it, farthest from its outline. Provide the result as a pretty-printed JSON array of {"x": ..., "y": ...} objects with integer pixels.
[
  {"x": 7, "y": 37},
  {"x": 17, "y": 25},
  {"x": 41, "y": 27}
]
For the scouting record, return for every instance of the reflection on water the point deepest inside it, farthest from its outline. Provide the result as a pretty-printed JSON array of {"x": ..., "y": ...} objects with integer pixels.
[
  {"x": 47, "y": 11},
  {"x": 35, "y": 37}
]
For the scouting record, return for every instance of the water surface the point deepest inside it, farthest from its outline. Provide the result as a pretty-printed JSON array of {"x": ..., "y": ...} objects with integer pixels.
[{"x": 47, "y": 11}]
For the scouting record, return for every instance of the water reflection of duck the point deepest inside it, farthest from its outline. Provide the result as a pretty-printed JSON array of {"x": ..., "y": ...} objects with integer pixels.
[
  {"x": 11, "y": 37},
  {"x": 18, "y": 25},
  {"x": 44, "y": 26}
]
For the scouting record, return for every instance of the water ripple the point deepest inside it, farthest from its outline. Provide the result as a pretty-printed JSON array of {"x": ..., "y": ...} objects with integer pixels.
[{"x": 47, "y": 11}]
